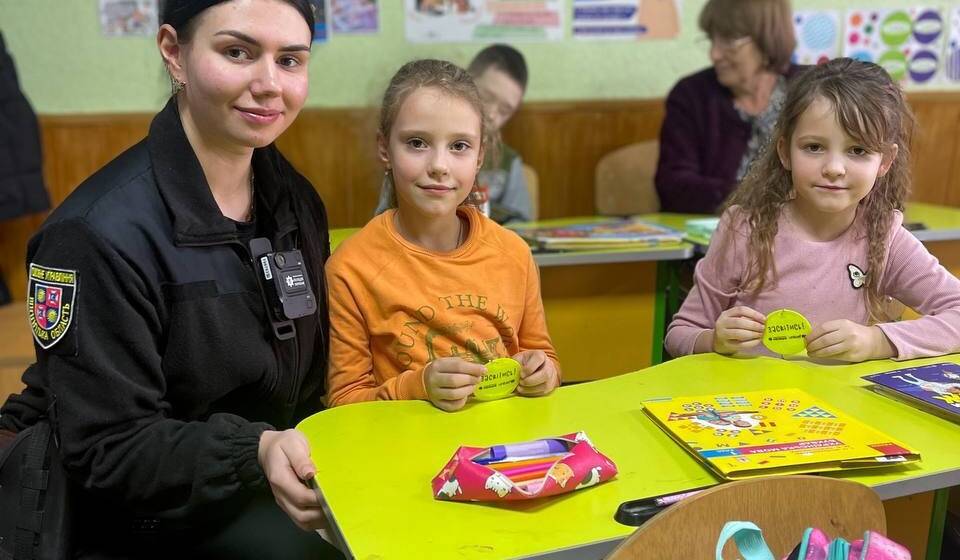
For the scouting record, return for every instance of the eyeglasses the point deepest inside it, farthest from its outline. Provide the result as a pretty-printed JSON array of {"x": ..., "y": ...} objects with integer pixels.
[{"x": 724, "y": 45}]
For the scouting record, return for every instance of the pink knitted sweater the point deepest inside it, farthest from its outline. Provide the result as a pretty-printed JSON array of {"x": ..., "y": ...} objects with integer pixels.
[{"x": 816, "y": 278}]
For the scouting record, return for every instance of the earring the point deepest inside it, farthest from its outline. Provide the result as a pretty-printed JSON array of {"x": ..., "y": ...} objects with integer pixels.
[{"x": 178, "y": 85}]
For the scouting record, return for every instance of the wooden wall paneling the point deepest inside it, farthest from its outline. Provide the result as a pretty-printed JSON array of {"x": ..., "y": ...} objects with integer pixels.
[
  {"x": 564, "y": 141},
  {"x": 936, "y": 148},
  {"x": 14, "y": 235},
  {"x": 336, "y": 150},
  {"x": 73, "y": 148}
]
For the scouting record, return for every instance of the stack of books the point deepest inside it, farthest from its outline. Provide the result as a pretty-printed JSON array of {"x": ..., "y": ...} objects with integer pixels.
[{"x": 610, "y": 234}]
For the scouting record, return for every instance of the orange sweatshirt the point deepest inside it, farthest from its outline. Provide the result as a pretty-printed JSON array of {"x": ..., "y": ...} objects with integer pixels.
[{"x": 395, "y": 307}]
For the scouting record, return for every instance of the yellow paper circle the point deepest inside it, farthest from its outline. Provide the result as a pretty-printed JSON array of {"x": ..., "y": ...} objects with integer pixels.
[
  {"x": 786, "y": 331},
  {"x": 503, "y": 376}
]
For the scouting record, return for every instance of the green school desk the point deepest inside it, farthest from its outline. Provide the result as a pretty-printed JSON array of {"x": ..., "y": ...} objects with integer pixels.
[
  {"x": 940, "y": 223},
  {"x": 619, "y": 295},
  {"x": 375, "y": 460}
]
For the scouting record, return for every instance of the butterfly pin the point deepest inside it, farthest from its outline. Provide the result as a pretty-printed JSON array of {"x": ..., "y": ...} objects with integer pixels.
[{"x": 857, "y": 277}]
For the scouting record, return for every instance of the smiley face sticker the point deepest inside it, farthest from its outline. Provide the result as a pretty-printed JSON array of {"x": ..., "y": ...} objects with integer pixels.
[
  {"x": 503, "y": 376},
  {"x": 786, "y": 331}
]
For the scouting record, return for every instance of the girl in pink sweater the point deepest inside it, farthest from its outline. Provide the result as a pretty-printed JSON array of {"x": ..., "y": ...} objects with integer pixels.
[{"x": 816, "y": 226}]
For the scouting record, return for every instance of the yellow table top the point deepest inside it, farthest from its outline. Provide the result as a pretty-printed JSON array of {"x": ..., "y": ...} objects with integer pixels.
[
  {"x": 338, "y": 235},
  {"x": 375, "y": 460},
  {"x": 941, "y": 223}
]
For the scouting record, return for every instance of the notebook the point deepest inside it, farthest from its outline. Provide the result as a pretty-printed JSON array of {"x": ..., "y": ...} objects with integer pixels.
[
  {"x": 934, "y": 388},
  {"x": 781, "y": 431}
]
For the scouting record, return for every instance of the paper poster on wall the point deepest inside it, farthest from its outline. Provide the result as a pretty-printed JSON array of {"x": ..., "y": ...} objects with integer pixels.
[
  {"x": 123, "y": 18},
  {"x": 435, "y": 21},
  {"x": 907, "y": 42},
  {"x": 321, "y": 31},
  {"x": 952, "y": 57},
  {"x": 626, "y": 20},
  {"x": 818, "y": 36},
  {"x": 354, "y": 16}
]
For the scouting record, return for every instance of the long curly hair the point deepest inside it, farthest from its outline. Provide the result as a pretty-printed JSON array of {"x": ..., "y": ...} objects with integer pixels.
[{"x": 872, "y": 109}]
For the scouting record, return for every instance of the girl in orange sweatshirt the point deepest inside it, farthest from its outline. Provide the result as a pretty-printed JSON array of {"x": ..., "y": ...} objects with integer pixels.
[{"x": 429, "y": 291}]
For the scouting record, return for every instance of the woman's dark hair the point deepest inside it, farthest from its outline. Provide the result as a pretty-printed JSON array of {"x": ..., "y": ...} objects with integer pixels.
[{"x": 181, "y": 14}]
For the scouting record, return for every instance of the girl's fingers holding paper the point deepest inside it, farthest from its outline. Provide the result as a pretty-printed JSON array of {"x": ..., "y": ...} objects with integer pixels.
[
  {"x": 455, "y": 380},
  {"x": 459, "y": 365},
  {"x": 453, "y": 394}
]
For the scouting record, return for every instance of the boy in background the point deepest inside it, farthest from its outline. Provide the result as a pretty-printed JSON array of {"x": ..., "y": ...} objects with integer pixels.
[{"x": 500, "y": 73}]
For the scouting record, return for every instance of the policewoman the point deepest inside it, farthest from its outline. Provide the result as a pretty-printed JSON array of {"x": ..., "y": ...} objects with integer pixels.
[{"x": 179, "y": 311}]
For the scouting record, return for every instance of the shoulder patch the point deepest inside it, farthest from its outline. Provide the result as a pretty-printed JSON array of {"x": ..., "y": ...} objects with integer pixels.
[{"x": 50, "y": 303}]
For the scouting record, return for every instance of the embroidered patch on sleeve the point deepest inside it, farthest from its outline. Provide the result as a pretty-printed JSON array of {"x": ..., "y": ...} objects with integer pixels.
[{"x": 50, "y": 303}]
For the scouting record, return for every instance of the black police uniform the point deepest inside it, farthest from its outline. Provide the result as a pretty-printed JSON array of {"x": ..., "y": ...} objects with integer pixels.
[{"x": 159, "y": 365}]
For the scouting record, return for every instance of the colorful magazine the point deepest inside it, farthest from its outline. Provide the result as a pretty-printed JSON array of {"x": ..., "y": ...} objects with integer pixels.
[
  {"x": 780, "y": 431},
  {"x": 934, "y": 388},
  {"x": 609, "y": 234}
]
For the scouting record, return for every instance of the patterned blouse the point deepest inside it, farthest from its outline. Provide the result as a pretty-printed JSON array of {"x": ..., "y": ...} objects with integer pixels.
[{"x": 761, "y": 126}]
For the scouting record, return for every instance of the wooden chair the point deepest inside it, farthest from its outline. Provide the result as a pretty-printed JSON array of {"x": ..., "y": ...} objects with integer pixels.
[
  {"x": 533, "y": 187},
  {"x": 624, "y": 180},
  {"x": 782, "y": 506}
]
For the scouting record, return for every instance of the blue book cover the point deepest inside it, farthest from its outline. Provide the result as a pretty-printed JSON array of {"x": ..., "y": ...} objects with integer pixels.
[{"x": 935, "y": 387}]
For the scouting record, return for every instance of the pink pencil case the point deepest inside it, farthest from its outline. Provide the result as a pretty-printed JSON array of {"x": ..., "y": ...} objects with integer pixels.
[{"x": 477, "y": 474}]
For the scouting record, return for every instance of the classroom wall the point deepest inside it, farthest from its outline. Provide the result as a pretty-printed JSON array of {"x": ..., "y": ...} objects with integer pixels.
[
  {"x": 67, "y": 67},
  {"x": 96, "y": 96}
]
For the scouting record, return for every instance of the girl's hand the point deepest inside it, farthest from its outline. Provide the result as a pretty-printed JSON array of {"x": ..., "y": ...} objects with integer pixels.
[
  {"x": 843, "y": 339},
  {"x": 285, "y": 460},
  {"x": 538, "y": 376},
  {"x": 450, "y": 381},
  {"x": 738, "y": 328}
]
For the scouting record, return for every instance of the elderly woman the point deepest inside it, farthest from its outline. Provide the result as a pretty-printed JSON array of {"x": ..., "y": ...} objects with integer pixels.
[{"x": 719, "y": 118}]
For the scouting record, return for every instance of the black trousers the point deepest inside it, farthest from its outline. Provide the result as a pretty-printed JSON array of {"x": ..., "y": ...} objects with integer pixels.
[
  {"x": 263, "y": 530},
  {"x": 260, "y": 530}
]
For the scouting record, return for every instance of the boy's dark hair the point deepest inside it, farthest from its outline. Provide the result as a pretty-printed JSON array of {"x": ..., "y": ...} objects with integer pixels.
[{"x": 503, "y": 57}]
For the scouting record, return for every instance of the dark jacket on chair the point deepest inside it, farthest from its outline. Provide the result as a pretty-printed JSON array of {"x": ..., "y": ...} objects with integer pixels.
[{"x": 21, "y": 175}]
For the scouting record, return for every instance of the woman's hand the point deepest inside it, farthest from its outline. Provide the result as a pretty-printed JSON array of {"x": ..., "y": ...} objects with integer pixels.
[
  {"x": 450, "y": 382},
  {"x": 285, "y": 459},
  {"x": 738, "y": 328},
  {"x": 843, "y": 339},
  {"x": 539, "y": 375}
]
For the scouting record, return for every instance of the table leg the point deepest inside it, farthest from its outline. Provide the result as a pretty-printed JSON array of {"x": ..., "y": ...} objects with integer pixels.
[
  {"x": 938, "y": 517},
  {"x": 660, "y": 311}
]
